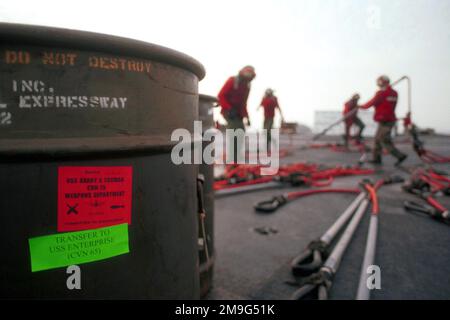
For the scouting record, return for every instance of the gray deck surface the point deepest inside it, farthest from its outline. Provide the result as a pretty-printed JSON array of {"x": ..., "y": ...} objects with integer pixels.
[{"x": 413, "y": 252}]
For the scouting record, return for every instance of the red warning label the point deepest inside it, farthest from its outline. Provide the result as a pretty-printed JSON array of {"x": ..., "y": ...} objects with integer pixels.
[{"x": 93, "y": 197}]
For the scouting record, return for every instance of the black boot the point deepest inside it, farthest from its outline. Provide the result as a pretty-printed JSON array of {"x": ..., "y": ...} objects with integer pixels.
[
  {"x": 400, "y": 160},
  {"x": 376, "y": 161},
  {"x": 359, "y": 139}
]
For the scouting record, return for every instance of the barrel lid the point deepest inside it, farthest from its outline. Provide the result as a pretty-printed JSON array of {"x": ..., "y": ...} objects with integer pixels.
[{"x": 13, "y": 33}]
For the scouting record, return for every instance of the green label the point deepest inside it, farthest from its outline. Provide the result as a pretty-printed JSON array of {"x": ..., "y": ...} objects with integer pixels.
[{"x": 65, "y": 249}]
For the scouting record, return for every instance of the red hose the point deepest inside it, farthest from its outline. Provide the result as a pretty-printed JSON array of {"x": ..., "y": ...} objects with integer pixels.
[
  {"x": 438, "y": 157},
  {"x": 310, "y": 174},
  {"x": 321, "y": 184},
  {"x": 431, "y": 157},
  {"x": 320, "y": 146},
  {"x": 338, "y": 148},
  {"x": 433, "y": 202},
  {"x": 373, "y": 198},
  {"x": 282, "y": 153},
  {"x": 378, "y": 184},
  {"x": 299, "y": 194},
  {"x": 436, "y": 186},
  {"x": 436, "y": 176}
]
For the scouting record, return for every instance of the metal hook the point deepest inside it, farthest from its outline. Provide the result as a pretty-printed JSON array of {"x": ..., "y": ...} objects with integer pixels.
[
  {"x": 310, "y": 260},
  {"x": 270, "y": 205},
  {"x": 315, "y": 287}
]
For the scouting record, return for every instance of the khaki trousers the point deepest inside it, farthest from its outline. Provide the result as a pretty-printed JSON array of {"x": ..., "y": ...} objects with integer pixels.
[{"x": 383, "y": 139}]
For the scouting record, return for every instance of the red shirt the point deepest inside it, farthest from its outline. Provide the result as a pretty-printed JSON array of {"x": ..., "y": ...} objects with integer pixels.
[
  {"x": 234, "y": 95},
  {"x": 350, "y": 105},
  {"x": 384, "y": 102},
  {"x": 269, "y": 104},
  {"x": 407, "y": 121}
]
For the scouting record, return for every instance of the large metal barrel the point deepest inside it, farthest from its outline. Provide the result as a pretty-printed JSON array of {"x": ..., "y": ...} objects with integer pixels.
[
  {"x": 85, "y": 126},
  {"x": 205, "y": 108}
]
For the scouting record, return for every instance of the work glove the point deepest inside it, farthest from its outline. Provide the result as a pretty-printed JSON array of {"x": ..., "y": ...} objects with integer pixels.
[{"x": 247, "y": 122}]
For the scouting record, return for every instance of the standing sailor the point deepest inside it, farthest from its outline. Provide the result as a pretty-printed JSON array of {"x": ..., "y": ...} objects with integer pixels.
[
  {"x": 384, "y": 102},
  {"x": 269, "y": 103},
  {"x": 233, "y": 100},
  {"x": 351, "y": 114}
]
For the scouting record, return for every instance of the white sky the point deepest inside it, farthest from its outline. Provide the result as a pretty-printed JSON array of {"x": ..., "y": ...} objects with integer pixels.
[{"x": 314, "y": 53}]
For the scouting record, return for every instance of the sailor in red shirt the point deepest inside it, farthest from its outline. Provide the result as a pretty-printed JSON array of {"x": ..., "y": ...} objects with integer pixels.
[
  {"x": 233, "y": 100},
  {"x": 351, "y": 111},
  {"x": 269, "y": 103},
  {"x": 234, "y": 94},
  {"x": 407, "y": 123},
  {"x": 384, "y": 102}
]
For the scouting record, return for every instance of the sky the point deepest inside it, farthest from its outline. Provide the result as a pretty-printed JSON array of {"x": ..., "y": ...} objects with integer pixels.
[{"x": 314, "y": 53}]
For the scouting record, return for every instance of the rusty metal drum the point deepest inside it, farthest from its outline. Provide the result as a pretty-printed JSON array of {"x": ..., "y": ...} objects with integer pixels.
[
  {"x": 206, "y": 105},
  {"x": 85, "y": 145}
]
